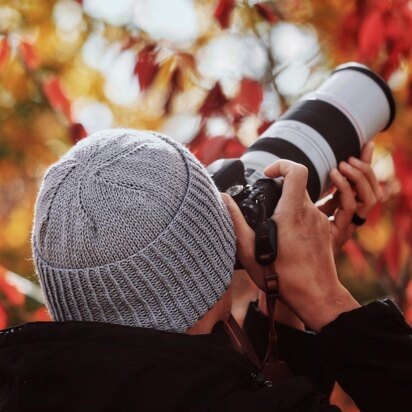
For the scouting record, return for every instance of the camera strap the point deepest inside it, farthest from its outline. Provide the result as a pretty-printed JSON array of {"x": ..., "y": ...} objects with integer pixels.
[
  {"x": 266, "y": 280},
  {"x": 272, "y": 367},
  {"x": 241, "y": 342}
]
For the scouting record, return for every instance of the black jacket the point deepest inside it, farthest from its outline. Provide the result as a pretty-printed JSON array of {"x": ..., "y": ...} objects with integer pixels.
[{"x": 81, "y": 366}]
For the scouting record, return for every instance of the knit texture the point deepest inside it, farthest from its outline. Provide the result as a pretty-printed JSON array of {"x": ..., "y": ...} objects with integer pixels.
[{"x": 130, "y": 229}]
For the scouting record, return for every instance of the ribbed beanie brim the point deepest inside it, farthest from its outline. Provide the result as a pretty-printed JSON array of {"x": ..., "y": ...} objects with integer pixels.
[{"x": 130, "y": 229}]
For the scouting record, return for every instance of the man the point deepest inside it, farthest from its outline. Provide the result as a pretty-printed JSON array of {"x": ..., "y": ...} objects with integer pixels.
[{"x": 135, "y": 249}]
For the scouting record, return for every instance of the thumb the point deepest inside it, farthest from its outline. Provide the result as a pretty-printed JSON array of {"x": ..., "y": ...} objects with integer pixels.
[{"x": 245, "y": 236}]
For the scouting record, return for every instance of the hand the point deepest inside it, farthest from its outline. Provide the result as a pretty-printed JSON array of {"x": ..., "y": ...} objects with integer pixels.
[
  {"x": 357, "y": 191},
  {"x": 308, "y": 282}
]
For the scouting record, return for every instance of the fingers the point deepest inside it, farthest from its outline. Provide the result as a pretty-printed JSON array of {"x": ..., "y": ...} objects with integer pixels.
[
  {"x": 367, "y": 171},
  {"x": 347, "y": 202},
  {"x": 294, "y": 185},
  {"x": 367, "y": 152},
  {"x": 245, "y": 237},
  {"x": 363, "y": 189}
]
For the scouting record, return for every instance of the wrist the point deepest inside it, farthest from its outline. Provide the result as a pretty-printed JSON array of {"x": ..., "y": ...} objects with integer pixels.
[
  {"x": 318, "y": 311},
  {"x": 282, "y": 313}
]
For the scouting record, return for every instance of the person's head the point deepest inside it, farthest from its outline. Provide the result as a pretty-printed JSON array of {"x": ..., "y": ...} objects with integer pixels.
[{"x": 130, "y": 229}]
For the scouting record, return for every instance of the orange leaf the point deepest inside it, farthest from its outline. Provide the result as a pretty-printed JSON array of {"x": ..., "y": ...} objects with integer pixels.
[
  {"x": 29, "y": 55},
  {"x": 4, "y": 52},
  {"x": 10, "y": 292},
  {"x": 56, "y": 97},
  {"x": 223, "y": 11}
]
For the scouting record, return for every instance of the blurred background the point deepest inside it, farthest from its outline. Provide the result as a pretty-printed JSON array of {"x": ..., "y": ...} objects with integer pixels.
[{"x": 213, "y": 74}]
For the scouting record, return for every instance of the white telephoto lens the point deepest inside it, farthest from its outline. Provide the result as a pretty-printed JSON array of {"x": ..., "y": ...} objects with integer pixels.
[{"x": 326, "y": 127}]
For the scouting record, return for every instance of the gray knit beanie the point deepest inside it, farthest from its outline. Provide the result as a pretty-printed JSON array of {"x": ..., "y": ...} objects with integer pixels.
[{"x": 130, "y": 229}]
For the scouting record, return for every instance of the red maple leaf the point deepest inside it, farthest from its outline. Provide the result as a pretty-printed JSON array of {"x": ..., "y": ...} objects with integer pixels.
[
  {"x": 214, "y": 102},
  {"x": 392, "y": 256},
  {"x": 146, "y": 66},
  {"x": 403, "y": 221},
  {"x": 10, "y": 292},
  {"x": 77, "y": 132},
  {"x": 248, "y": 99},
  {"x": 233, "y": 148},
  {"x": 210, "y": 149},
  {"x": 262, "y": 128},
  {"x": 29, "y": 55},
  {"x": 355, "y": 256},
  {"x": 54, "y": 94},
  {"x": 402, "y": 164},
  {"x": 371, "y": 36},
  {"x": 176, "y": 85},
  {"x": 40, "y": 315},
  {"x": 223, "y": 10},
  {"x": 3, "y": 317},
  {"x": 267, "y": 10},
  {"x": 349, "y": 29},
  {"x": 4, "y": 52}
]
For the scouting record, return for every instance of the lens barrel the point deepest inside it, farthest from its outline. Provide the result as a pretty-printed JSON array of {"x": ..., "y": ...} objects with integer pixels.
[{"x": 326, "y": 126}]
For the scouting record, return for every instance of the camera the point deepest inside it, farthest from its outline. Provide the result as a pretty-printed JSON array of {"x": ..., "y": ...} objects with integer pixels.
[{"x": 322, "y": 129}]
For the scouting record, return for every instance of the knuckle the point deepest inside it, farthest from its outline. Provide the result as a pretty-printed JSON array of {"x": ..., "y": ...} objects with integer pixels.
[
  {"x": 303, "y": 170},
  {"x": 352, "y": 205},
  {"x": 357, "y": 174},
  {"x": 379, "y": 195},
  {"x": 324, "y": 220},
  {"x": 346, "y": 185},
  {"x": 323, "y": 224},
  {"x": 367, "y": 168},
  {"x": 373, "y": 200}
]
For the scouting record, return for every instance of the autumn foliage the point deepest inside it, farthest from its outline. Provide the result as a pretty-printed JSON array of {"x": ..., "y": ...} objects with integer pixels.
[{"x": 57, "y": 84}]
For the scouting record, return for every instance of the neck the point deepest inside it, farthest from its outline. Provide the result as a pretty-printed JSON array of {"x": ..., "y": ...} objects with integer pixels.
[{"x": 219, "y": 312}]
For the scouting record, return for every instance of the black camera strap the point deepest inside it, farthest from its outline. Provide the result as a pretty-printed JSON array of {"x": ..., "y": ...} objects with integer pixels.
[
  {"x": 241, "y": 342},
  {"x": 266, "y": 280},
  {"x": 272, "y": 367}
]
